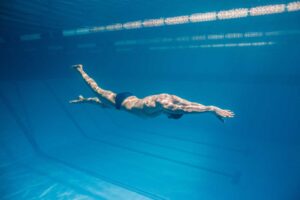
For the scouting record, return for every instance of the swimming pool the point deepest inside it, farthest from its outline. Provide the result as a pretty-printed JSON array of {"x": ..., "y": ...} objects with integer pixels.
[{"x": 242, "y": 56}]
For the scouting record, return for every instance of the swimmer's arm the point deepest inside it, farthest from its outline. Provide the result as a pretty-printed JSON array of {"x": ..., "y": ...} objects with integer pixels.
[
  {"x": 82, "y": 99},
  {"x": 199, "y": 108}
]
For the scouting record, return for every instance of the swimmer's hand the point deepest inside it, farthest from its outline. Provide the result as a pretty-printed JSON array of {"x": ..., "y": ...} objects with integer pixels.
[{"x": 222, "y": 114}]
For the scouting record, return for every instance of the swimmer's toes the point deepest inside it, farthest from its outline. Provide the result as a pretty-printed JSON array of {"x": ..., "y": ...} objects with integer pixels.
[{"x": 77, "y": 66}]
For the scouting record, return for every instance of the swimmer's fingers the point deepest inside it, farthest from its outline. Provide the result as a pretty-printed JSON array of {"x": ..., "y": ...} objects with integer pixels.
[
  {"x": 228, "y": 113},
  {"x": 225, "y": 113}
]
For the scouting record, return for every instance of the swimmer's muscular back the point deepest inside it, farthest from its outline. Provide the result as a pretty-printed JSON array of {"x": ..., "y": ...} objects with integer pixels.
[{"x": 147, "y": 106}]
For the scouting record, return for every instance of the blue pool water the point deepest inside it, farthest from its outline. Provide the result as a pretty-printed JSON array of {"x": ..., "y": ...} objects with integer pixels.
[{"x": 240, "y": 56}]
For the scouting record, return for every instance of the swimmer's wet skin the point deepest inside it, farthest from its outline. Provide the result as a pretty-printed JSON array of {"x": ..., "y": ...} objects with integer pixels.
[{"x": 151, "y": 106}]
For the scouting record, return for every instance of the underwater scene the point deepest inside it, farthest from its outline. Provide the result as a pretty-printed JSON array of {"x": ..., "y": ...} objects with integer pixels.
[{"x": 140, "y": 100}]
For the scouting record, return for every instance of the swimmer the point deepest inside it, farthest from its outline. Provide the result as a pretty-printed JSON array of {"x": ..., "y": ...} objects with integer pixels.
[{"x": 172, "y": 106}]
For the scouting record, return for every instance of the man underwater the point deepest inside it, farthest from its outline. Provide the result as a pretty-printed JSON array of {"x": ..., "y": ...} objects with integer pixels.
[{"x": 151, "y": 106}]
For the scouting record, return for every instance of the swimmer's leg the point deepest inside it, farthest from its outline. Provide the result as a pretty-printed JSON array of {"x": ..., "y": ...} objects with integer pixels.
[
  {"x": 94, "y": 100},
  {"x": 82, "y": 99},
  {"x": 106, "y": 95}
]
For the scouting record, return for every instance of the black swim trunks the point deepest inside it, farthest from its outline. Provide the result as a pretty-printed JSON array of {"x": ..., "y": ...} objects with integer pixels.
[{"x": 120, "y": 98}]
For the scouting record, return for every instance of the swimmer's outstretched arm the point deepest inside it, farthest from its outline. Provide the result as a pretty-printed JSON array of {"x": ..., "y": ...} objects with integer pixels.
[{"x": 185, "y": 107}]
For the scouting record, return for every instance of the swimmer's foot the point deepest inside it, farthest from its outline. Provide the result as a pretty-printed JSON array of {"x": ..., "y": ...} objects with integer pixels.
[
  {"x": 78, "y": 66},
  {"x": 79, "y": 100}
]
